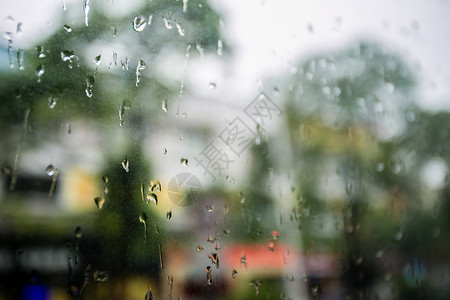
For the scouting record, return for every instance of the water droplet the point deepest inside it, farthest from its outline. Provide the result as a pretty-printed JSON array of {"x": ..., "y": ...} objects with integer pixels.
[
  {"x": 20, "y": 59},
  {"x": 242, "y": 197},
  {"x": 125, "y": 64},
  {"x": 139, "y": 23},
  {"x": 275, "y": 234},
  {"x": 150, "y": 18},
  {"x": 208, "y": 275},
  {"x": 234, "y": 273},
  {"x": 151, "y": 197},
  {"x": 217, "y": 246},
  {"x": 86, "y": 12},
  {"x": 214, "y": 259},
  {"x": 10, "y": 53},
  {"x": 78, "y": 233},
  {"x": 168, "y": 21},
  {"x": 165, "y": 151},
  {"x": 105, "y": 190},
  {"x": 226, "y": 231},
  {"x": 211, "y": 239},
  {"x": 68, "y": 56},
  {"x": 209, "y": 207},
  {"x": 256, "y": 284},
  {"x": 149, "y": 295},
  {"x": 124, "y": 106},
  {"x": 164, "y": 106},
  {"x": 90, "y": 80},
  {"x": 99, "y": 202},
  {"x": 39, "y": 71},
  {"x": 155, "y": 186},
  {"x": 67, "y": 28},
  {"x": 126, "y": 165},
  {"x": 98, "y": 59},
  {"x": 52, "y": 102},
  {"x": 100, "y": 276},
  {"x": 50, "y": 170},
  {"x": 199, "y": 248},
  {"x": 40, "y": 51},
  {"x": 212, "y": 85},
  {"x": 184, "y": 161},
  {"x": 180, "y": 29},
  {"x": 185, "y": 3},
  {"x": 169, "y": 215},
  {"x": 219, "y": 47},
  {"x": 272, "y": 245},
  {"x": 244, "y": 261},
  {"x": 141, "y": 66},
  {"x": 19, "y": 31},
  {"x": 144, "y": 219},
  {"x": 105, "y": 179},
  {"x": 314, "y": 290},
  {"x": 200, "y": 48}
]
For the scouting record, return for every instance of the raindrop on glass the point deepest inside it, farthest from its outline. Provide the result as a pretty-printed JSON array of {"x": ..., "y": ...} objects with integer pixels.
[
  {"x": 256, "y": 284},
  {"x": 151, "y": 197},
  {"x": 199, "y": 248},
  {"x": 168, "y": 21},
  {"x": 100, "y": 276},
  {"x": 140, "y": 67},
  {"x": 78, "y": 233},
  {"x": 10, "y": 54},
  {"x": 39, "y": 71},
  {"x": 67, "y": 28},
  {"x": 40, "y": 51},
  {"x": 20, "y": 59},
  {"x": 90, "y": 80},
  {"x": 124, "y": 106},
  {"x": 214, "y": 259},
  {"x": 169, "y": 215},
  {"x": 244, "y": 261},
  {"x": 272, "y": 245},
  {"x": 149, "y": 295},
  {"x": 219, "y": 47},
  {"x": 86, "y": 12},
  {"x": 99, "y": 202},
  {"x": 184, "y": 161},
  {"x": 144, "y": 219},
  {"x": 139, "y": 23},
  {"x": 208, "y": 275},
  {"x": 50, "y": 170},
  {"x": 126, "y": 165},
  {"x": 180, "y": 29},
  {"x": 155, "y": 186},
  {"x": 164, "y": 105},
  {"x": 209, "y": 207},
  {"x": 52, "y": 102},
  {"x": 98, "y": 59},
  {"x": 234, "y": 273}
]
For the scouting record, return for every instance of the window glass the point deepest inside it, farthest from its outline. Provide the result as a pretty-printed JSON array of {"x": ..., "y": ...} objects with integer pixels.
[{"x": 193, "y": 149}]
